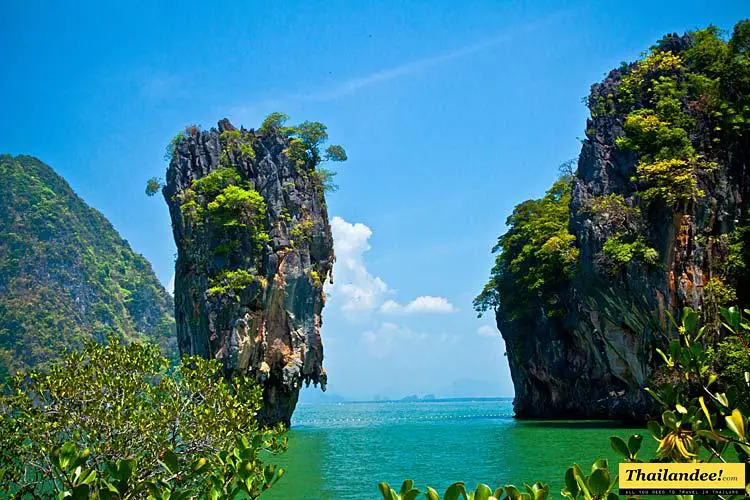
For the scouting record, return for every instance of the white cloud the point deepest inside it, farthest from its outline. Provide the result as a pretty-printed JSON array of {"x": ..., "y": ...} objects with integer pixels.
[
  {"x": 423, "y": 304},
  {"x": 170, "y": 285},
  {"x": 356, "y": 291},
  {"x": 487, "y": 331},
  {"x": 388, "y": 337},
  {"x": 354, "y": 286}
]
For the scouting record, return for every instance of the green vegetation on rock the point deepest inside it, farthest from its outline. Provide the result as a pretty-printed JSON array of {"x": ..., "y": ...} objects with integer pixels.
[
  {"x": 536, "y": 257},
  {"x": 66, "y": 275},
  {"x": 682, "y": 108},
  {"x": 232, "y": 283},
  {"x": 221, "y": 198}
]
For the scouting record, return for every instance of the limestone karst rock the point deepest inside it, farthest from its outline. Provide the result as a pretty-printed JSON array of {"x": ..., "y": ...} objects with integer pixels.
[
  {"x": 658, "y": 217},
  {"x": 254, "y": 248}
]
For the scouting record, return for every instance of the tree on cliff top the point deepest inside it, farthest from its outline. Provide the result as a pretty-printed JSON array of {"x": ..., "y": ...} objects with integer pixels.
[{"x": 536, "y": 256}]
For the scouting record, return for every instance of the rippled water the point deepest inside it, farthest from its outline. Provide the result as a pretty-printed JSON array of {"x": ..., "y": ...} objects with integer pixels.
[{"x": 342, "y": 451}]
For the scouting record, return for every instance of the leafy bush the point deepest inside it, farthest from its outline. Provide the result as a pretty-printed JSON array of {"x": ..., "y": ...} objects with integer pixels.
[
  {"x": 334, "y": 152},
  {"x": 236, "y": 206},
  {"x": 232, "y": 283},
  {"x": 224, "y": 200},
  {"x": 153, "y": 185},
  {"x": 536, "y": 257},
  {"x": 235, "y": 139},
  {"x": 677, "y": 105},
  {"x": 173, "y": 144},
  {"x": 274, "y": 121},
  {"x": 324, "y": 179},
  {"x": 113, "y": 421},
  {"x": 301, "y": 232},
  {"x": 621, "y": 251},
  {"x": 304, "y": 152}
]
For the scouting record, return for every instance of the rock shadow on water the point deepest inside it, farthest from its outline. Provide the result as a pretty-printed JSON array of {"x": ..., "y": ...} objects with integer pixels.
[{"x": 577, "y": 424}]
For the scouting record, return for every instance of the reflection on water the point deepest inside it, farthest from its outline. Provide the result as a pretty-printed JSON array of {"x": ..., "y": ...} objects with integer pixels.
[{"x": 341, "y": 451}]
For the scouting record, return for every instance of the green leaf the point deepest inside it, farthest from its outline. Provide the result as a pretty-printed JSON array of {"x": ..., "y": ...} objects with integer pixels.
[
  {"x": 512, "y": 492},
  {"x": 654, "y": 395},
  {"x": 711, "y": 435},
  {"x": 88, "y": 477},
  {"x": 68, "y": 454},
  {"x": 634, "y": 444},
  {"x": 599, "y": 482},
  {"x": 385, "y": 490},
  {"x": 666, "y": 359},
  {"x": 736, "y": 423},
  {"x": 431, "y": 494},
  {"x": 454, "y": 491},
  {"x": 170, "y": 462},
  {"x": 601, "y": 463},
  {"x": 482, "y": 492},
  {"x": 618, "y": 444},
  {"x": 731, "y": 317},
  {"x": 406, "y": 486},
  {"x": 570, "y": 482},
  {"x": 689, "y": 319},
  {"x": 655, "y": 428},
  {"x": 80, "y": 492},
  {"x": 670, "y": 419},
  {"x": 411, "y": 494}
]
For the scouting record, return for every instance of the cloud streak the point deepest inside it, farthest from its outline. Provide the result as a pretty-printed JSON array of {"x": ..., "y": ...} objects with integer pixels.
[{"x": 352, "y": 85}]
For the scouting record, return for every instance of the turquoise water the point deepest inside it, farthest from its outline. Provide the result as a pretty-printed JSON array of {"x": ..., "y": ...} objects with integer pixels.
[{"x": 342, "y": 451}]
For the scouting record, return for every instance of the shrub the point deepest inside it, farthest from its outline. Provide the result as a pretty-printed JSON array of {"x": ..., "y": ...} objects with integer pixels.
[
  {"x": 621, "y": 251},
  {"x": 224, "y": 200},
  {"x": 324, "y": 179},
  {"x": 301, "y": 232},
  {"x": 236, "y": 206},
  {"x": 232, "y": 283},
  {"x": 153, "y": 185},
  {"x": 334, "y": 152},
  {"x": 235, "y": 139},
  {"x": 114, "y": 421},
  {"x": 536, "y": 257},
  {"x": 272, "y": 122},
  {"x": 173, "y": 144}
]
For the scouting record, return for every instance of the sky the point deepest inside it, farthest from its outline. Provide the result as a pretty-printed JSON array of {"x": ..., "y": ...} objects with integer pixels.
[{"x": 451, "y": 113}]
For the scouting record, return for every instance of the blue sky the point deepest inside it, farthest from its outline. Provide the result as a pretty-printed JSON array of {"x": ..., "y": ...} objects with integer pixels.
[{"x": 451, "y": 113}]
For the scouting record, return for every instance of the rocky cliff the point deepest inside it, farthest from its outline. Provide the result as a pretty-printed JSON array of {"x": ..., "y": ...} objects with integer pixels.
[
  {"x": 253, "y": 249},
  {"x": 66, "y": 275},
  {"x": 656, "y": 218}
]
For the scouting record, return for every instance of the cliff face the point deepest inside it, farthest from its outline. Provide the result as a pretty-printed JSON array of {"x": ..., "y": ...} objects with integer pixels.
[
  {"x": 66, "y": 275},
  {"x": 658, "y": 214},
  {"x": 254, "y": 248}
]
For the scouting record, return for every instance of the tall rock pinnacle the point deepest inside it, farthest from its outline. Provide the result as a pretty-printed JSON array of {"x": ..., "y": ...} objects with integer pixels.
[{"x": 253, "y": 249}]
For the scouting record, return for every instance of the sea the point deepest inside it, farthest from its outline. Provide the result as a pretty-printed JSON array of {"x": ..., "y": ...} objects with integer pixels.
[{"x": 343, "y": 450}]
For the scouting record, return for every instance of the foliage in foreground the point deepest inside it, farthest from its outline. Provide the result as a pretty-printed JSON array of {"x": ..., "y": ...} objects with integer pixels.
[
  {"x": 113, "y": 421},
  {"x": 704, "y": 419}
]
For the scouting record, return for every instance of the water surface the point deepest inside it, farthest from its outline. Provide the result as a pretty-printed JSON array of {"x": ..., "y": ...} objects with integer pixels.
[{"x": 342, "y": 450}]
